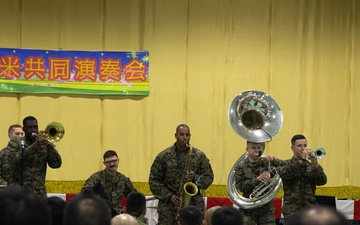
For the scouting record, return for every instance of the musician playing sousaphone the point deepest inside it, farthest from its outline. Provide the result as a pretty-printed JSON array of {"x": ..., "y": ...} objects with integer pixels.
[
  {"x": 256, "y": 171},
  {"x": 30, "y": 156},
  {"x": 256, "y": 117},
  {"x": 175, "y": 168}
]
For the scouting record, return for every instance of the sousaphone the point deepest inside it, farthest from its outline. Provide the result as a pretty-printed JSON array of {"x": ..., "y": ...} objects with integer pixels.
[{"x": 256, "y": 117}]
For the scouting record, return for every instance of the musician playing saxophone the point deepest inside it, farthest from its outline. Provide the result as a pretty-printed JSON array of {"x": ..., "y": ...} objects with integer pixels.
[
  {"x": 253, "y": 171},
  {"x": 171, "y": 169}
]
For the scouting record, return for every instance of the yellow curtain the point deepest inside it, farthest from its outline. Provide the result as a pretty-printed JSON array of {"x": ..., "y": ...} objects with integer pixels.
[{"x": 203, "y": 53}]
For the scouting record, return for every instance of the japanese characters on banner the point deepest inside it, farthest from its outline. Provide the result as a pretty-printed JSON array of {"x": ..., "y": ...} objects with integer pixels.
[{"x": 74, "y": 72}]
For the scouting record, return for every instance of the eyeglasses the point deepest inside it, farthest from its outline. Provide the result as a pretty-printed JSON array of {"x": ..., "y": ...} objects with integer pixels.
[{"x": 111, "y": 162}]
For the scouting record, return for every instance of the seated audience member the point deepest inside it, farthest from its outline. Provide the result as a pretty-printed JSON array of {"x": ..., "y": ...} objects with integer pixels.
[
  {"x": 124, "y": 219},
  {"x": 208, "y": 214},
  {"x": 87, "y": 209},
  {"x": 190, "y": 215},
  {"x": 136, "y": 206},
  {"x": 18, "y": 207},
  {"x": 57, "y": 207},
  {"x": 320, "y": 215},
  {"x": 227, "y": 215}
]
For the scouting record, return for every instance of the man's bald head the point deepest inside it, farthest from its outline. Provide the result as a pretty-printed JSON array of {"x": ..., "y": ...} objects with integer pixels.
[
  {"x": 124, "y": 219},
  {"x": 208, "y": 214}
]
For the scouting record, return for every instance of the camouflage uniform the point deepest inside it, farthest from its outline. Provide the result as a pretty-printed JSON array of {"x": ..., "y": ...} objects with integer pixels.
[
  {"x": 245, "y": 178},
  {"x": 140, "y": 221},
  {"x": 299, "y": 184},
  {"x": 167, "y": 177},
  {"x": 111, "y": 188},
  {"x": 35, "y": 165},
  {"x": 5, "y": 166}
]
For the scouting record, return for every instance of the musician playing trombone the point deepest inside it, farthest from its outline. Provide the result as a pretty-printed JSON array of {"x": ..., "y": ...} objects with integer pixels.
[
  {"x": 174, "y": 167},
  {"x": 30, "y": 156},
  {"x": 251, "y": 173},
  {"x": 300, "y": 176}
]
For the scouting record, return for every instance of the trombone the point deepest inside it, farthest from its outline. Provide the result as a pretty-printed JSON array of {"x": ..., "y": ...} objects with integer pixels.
[{"x": 53, "y": 132}]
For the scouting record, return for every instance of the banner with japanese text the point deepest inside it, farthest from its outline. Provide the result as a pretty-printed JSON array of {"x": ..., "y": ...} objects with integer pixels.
[{"x": 74, "y": 72}]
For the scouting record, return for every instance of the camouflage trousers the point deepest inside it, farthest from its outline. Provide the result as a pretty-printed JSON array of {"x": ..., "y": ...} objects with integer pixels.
[
  {"x": 258, "y": 216},
  {"x": 167, "y": 218}
]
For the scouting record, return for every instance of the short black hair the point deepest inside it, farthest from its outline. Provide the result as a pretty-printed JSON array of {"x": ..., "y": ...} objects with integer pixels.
[
  {"x": 190, "y": 215},
  {"x": 57, "y": 207},
  {"x": 87, "y": 208},
  {"x": 109, "y": 153},
  {"x": 28, "y": 118},
  {"x": 297, "y": 137},
  {"x": 181, "y": 125},
  {"x": 227, "y": 215},
  {"x": 22, "y": 207},
  {"x": 135, "y": 203}
]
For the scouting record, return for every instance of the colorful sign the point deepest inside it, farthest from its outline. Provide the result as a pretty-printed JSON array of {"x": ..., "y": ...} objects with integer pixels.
[{"x": 74, "y": 72}]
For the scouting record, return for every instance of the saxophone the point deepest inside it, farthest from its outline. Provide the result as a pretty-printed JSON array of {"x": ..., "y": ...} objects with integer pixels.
[{"x": 188, "y": 189}]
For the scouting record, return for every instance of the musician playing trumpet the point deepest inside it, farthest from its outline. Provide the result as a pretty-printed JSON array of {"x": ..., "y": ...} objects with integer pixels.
[
  {"x": 29, "y": 158},
  {"x": 171, "y": 169},
  {"x": 300, "y": 176},
  {"x": 249, "y": 174}
]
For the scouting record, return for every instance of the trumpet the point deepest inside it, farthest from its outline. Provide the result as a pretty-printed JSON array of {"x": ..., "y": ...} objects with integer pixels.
[
  {"x": 319, "y": 153},
  {"x": 53, "y": 132}
]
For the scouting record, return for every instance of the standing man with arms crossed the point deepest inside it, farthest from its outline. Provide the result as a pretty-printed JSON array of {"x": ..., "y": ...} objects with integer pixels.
[
  {"x": 250, "y": 173},
  {"x": 300, "y": 176},
  {"x": 110, "y": 184},
  {"x": 29, "y": 162},
  {"x": 15, "y": 133},
  {"x": 171, "y": 169}
]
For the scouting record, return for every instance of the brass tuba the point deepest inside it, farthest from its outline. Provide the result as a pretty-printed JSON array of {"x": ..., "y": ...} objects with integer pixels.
[
  {"x": 256, "y": 117},
  {"x": 53, "y": 132}
]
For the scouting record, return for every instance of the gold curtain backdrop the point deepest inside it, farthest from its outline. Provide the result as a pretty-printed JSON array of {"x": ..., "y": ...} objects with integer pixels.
[{"x": 303, "y": 53}]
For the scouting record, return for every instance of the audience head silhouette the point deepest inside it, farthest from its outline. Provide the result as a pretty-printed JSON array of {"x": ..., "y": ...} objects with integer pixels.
[
  {"x": 190, "y": 215},
  {"x": 136, "y": 204},
  {"x": 87, "y": 209},
  {"x": 208, "y": 214},
  {"x": 321, "y": 215},
  {"x": 124, "y": 219},
  {"x": 57, "y": 207},
  {"x": 18, "y": 207},
  {"x": 227, "y": 215}
]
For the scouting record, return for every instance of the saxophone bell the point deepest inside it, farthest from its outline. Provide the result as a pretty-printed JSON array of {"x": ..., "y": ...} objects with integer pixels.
[{"x": 190, "y": 189}]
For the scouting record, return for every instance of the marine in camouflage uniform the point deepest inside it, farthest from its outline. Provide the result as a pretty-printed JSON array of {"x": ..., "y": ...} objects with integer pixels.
[
  {"x": 300, "y": 177},
  {"x": 5, "y": 165},
  {"x": 110, "y": 184},
  {"x": 15, "y": 132},
  {"x": 38, "y": 153},
  {"x": 171, "y": 169},
  {"x": 250, "y": 173}
]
